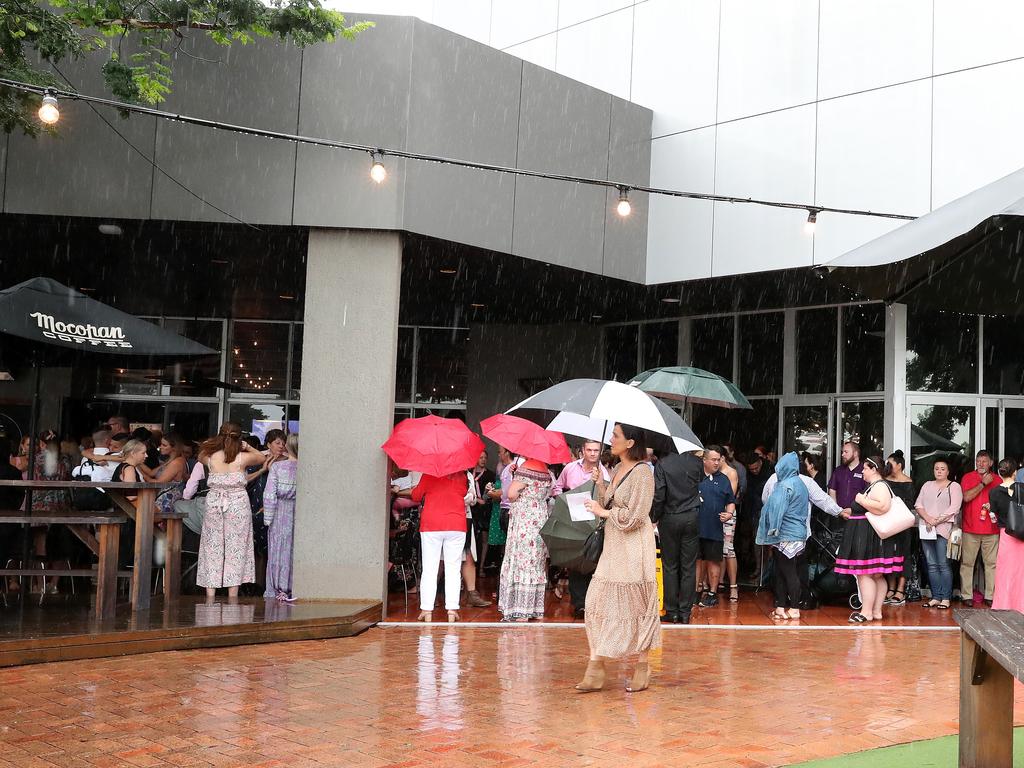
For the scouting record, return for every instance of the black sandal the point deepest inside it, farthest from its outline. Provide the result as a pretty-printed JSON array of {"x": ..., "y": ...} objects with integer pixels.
[
  {"x": 857, "y": 618},
  {"x": 931, "y": 604}
]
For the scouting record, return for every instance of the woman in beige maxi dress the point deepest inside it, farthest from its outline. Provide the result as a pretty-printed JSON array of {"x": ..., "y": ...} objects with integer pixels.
[{"x": 622, "y": 601}]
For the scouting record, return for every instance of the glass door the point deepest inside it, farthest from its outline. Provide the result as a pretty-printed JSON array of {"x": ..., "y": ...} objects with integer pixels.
[
  {"x": 805, "y": 428},
  {"x": 1012, "y": 431},
  {"x": 946, "y": 427},
  {"x": 862, "y": 422}
]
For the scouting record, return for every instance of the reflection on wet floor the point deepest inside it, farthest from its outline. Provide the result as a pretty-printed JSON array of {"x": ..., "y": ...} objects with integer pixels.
[{"x": 430, "y": 696}]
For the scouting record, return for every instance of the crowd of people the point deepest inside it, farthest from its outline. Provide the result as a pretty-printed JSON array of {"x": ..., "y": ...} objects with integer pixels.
[
  {"x": 236, "y": 492},
  {"x": 714, "y": 515}
]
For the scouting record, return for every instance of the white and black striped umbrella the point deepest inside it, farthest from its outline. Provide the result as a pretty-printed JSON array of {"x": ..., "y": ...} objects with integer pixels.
[{"x": 588, "y": 408}]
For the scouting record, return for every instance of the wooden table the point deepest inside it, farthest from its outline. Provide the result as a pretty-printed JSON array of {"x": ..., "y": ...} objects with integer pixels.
[
  {"x": 172, "y": 564},
  {"x": 145, "y": 504},
  {"x": 991, "y": 656},
  {"x": 104, "y": 545}
]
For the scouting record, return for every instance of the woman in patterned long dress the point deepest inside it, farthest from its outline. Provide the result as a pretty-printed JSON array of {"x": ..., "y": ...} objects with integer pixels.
[
  {"x": 622, "y": 601},
  {"x": 279, "y": 517},
  {"x": 524, "y": 568},
  {"x": 226, "y": 557}
]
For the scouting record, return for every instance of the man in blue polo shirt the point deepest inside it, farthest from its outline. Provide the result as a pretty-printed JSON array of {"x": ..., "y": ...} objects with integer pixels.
[{"x": 718, "y": 505}]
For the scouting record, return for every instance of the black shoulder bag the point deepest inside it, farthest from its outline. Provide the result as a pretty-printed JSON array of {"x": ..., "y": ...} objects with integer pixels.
[
  {"x": 594, "y": 545},
  {"x": 1015, "y": 512}
]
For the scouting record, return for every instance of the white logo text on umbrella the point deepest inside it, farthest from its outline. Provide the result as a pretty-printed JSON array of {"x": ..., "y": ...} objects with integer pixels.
[{"x": 106, "y": 335}]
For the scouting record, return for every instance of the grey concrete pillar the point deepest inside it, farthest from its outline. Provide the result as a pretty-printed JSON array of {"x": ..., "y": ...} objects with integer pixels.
[
  {"x": 349, "y": 344},
  {"x": 896, "y": 430}
]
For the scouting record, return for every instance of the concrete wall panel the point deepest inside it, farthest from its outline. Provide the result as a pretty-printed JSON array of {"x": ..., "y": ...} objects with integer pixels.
[
  {"x": 249, "y": 177},
  {"x": 465, "y": 104},
  {"x": 355, "y": 91},
  {"x": 86, "y": 169}
]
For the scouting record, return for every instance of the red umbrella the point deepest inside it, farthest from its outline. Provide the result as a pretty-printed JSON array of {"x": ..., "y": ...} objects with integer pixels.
[
  {"x": 433, "y": 445},
  {"x": 525, "y": 438}
]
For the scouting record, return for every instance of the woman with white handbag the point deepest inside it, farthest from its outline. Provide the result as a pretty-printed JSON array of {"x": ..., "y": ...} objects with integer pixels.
[{"x": 863, "y": 552}]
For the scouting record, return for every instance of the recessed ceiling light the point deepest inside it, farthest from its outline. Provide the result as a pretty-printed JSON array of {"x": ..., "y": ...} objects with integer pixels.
[
  {"x": 478, "y": 306},
  {"x": 670, "y": 301},
  {"x": 219, "y": 261},
  {"x": 286, "y": 296},
  {"x": 111, "y": 229},
  {"x": 87, "y": 290},
  {"x": 596, "y": 317},
  {"x": 448, "y": 271}
]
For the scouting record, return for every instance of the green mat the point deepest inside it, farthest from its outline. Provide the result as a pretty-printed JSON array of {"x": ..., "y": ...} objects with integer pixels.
[{"x": 931, "y": 753}]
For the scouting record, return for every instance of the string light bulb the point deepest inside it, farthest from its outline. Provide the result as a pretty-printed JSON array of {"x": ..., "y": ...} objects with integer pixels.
[
  {"x": 812, "y": 221},
  {"x": 49, "y": 112},
  {"x": 623, "y": 208},
  {"x": 377, "y": 171}
]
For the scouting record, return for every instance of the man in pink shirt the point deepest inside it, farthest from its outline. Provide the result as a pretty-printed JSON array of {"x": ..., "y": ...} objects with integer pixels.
[{"x": 574, "y": 475}]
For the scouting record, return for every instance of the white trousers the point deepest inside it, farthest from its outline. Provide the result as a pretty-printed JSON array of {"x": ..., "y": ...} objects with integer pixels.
[{"x": 437, "y": 545}]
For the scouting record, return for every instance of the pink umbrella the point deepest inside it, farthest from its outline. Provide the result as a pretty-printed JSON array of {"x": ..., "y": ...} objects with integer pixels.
[{"x": 525, "y": 438}]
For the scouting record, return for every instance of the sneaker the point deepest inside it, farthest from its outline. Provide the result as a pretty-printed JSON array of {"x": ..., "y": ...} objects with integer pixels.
[{"x": 710, "y": 600}]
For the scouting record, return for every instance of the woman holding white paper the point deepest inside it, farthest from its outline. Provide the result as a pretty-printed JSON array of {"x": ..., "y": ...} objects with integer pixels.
[{"x": 937, "y": 505}]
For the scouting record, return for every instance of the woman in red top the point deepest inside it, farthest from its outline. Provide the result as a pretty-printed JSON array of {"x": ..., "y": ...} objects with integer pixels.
[{"x": 442, "y": 534}]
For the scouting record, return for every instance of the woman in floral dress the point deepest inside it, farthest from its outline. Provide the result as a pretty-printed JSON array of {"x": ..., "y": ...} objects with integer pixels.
[
  {"x": 279, "y": 517},
  {"x": 524, "y": 569},
  {"x": 226, "y": 557}
]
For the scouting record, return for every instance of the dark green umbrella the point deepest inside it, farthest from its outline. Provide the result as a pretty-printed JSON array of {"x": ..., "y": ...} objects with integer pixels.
[
  {"x": 564, "y": 536},
  {"x": 690, "y": 385}
]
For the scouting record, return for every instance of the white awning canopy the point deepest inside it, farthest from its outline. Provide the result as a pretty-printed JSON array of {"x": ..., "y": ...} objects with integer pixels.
[{"x": 964, "y": 256}]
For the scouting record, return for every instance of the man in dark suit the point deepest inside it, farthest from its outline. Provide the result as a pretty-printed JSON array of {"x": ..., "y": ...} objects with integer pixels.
[{"x": 676, "y": 503}]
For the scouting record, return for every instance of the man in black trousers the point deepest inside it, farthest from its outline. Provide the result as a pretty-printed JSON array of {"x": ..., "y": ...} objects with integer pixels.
[{"x": 676, "y": 503}]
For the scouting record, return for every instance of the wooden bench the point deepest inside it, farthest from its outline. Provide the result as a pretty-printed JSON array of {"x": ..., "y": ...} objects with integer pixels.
[
  {"x": 104, "y": 545},
  {"x": 991, "y": 656},
  {"x": 144, "y": 507}
]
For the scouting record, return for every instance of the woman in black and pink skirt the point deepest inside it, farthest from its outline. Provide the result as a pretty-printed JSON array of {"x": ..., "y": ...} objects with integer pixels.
[{"x": 862, "y": 553}]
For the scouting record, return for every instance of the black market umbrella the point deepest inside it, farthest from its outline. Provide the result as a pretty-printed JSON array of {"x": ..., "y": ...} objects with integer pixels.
[
  {"x": 564, "y": 536},
  {"x": 964, "y": 256},
  {"x": 46, "y": 312}
]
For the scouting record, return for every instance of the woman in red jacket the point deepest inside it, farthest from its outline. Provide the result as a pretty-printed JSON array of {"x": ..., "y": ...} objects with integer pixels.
[{"x": 442, "y": 534}]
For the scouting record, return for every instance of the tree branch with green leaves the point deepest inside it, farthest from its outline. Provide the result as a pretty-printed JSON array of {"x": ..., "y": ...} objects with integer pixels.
[{"x": 34, "y": 35}]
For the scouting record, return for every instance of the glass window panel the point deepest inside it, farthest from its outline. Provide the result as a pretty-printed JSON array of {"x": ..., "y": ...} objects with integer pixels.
[
  {"x": 816, "y": 341},
  {"x": 296, "y": 362},
  {"x": 1013, "y": 424},
  {"x": 713, "y": 345},
  {"x": 257, "y": 418},
  {"x": 742, "y": 429},
  {"x": 403, "y": 367},
  {"x": 992, "y": 431},
  {"x": 941, "y": 430},
  {"x": 441, "y": 375},
  {"x": 620, "y": 363},
  {"x": 807, "y": 430},
  {"x": 1003, "y": 365},
  {"x": 193, "y": 421},
  {"x": 942, "y": 352},
  {"x": 761, "y": 353},
  {"x": 293, "y": 420},
  {"x": 259, "y": 358},
  {"x": 188, "y": 377},
  {"x": 444, "y": 413},
  {"x": 864, "y": 348},
  {"x": 864, "y": 423},
  {"x": 661, "y": 344}
]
